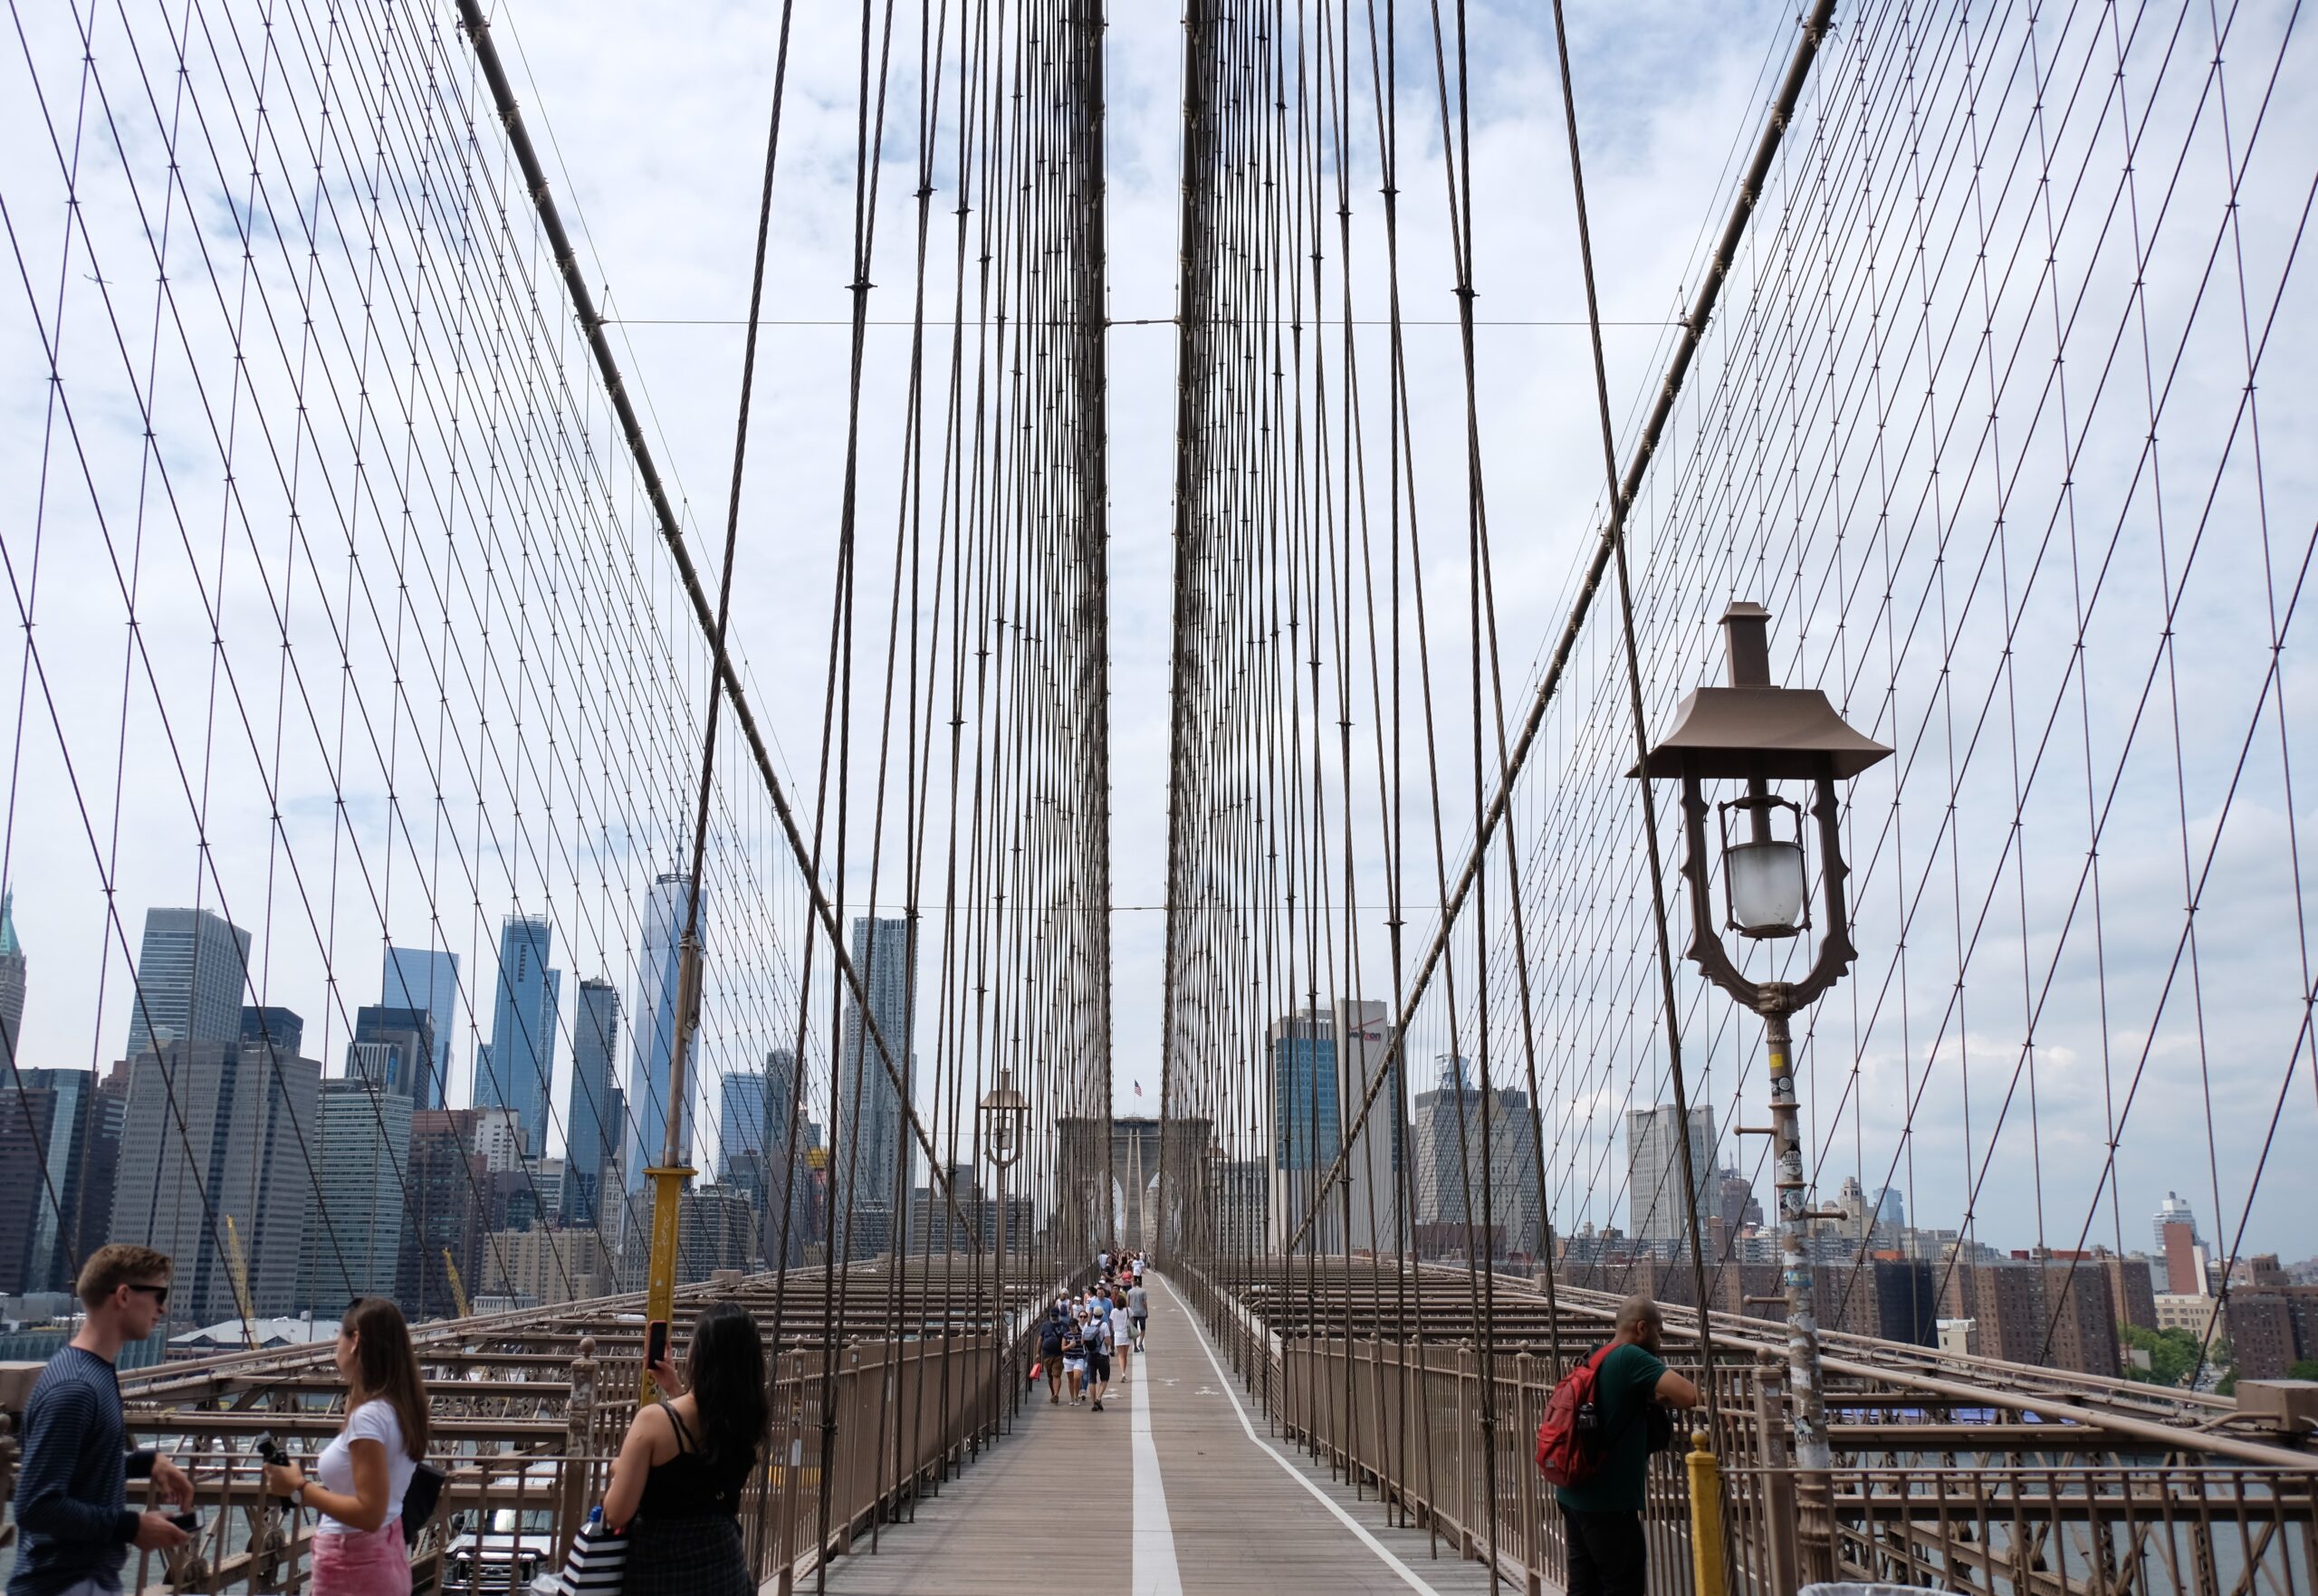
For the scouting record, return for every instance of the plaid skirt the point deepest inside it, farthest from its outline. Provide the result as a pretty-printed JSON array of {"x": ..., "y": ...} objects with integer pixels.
[{"x": 687, "y": 1557}]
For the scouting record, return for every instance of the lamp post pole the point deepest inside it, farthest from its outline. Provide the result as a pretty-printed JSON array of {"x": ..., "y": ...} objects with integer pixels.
[{"x": 1754, "y": 734}]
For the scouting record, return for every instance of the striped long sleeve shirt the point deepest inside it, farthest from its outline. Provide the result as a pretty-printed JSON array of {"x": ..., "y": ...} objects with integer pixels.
[{"x": 72, "y": 1483}]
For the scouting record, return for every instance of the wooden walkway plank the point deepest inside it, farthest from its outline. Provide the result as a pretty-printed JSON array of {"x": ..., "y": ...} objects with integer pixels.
[{"x": 1056, "y": 1503}]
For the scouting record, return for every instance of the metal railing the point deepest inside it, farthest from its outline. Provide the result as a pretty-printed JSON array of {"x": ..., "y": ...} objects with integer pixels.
[
  {"x": 1964, "y": 1506},
  {"x": 519, "y": 1484}
]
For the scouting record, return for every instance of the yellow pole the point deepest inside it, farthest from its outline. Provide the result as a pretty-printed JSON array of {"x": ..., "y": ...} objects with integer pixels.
[
  {"x": 1705, "y": 1517},
  {"x": 669, "y": 1175}
]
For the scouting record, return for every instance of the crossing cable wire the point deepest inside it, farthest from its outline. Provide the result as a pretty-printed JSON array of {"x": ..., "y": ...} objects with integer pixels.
[
  {"x": 1670, "y": 1012},
  {"x": 583, "y": 302},
  {"x": 1700, "y": 312}
]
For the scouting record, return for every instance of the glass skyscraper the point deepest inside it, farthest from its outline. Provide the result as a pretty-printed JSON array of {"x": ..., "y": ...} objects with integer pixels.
[
  {"x": 513, "y": 1071},
  {"x": 652, "y": 1029},
  {"x": 592, "y": 1128},
  {"x": 421, "y": 978},
  {"x": 870, "y": 1152},
  {"x": 189, "y": 980}
]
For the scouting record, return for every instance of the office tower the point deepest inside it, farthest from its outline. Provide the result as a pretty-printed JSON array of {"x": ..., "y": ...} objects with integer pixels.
[
  {"x": 591, "y": 1128},
  {"x": 283, "y": 1029},
  {"x": 394, "y": 1049},
  {"x": 741, "y": 1119},
  {"x": 1504, "y": 1217},
  {"x": 353, "y": 1242},
  {"x": 871, "y": 1150},
  {"x": 188, "y": 982},
  {"x": 421, "y": 978},
  {"x": 1890, "y": 1209},
  {"x": 1306, "y": 1126},
  {"x": 652, "y": 1028},
  {"x": 2174, "y": 1211},
  {"x": 1654, "y": 1174},
  {"x": 717, "y": 1230},
  {"x": 514, "y": 1073},
  {"x": 442, "y": 1221},
  {"x": 498, "y": 1139},
  {"x": 1734, "y": 1199},
  {"x": 12, "y": 981},
  {"x": 1363, "y": 1033},
  {"x": 223, "y": 1120},
  {"x": 45, "y": 1146},
  {"x": 754, "y": 1131}
]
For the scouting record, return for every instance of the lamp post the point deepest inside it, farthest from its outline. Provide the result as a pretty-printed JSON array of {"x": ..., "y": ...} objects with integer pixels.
[
  {"x": 1005, "y": 1118},
  {"x": 1752, "y": 735}
]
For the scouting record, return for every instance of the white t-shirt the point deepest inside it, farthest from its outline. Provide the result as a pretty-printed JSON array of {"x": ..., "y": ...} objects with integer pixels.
[
  {"x": 1122, "y": 1326},
  {"x": 372, "y": 1421}
]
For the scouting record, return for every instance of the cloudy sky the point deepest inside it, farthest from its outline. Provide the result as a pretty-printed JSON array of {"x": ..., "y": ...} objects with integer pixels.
[{"x": 651, "y": 122}]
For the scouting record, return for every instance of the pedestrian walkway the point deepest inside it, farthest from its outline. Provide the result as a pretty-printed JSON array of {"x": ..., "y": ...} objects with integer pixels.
[{"x": 1176, "y": 1486}]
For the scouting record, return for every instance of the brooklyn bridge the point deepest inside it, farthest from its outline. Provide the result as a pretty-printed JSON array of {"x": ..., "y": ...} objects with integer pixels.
[{"x": 1429, "y": 681}]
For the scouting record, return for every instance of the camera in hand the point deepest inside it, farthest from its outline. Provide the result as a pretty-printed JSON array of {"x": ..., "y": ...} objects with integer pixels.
[{"x": 269, "y": 1450}]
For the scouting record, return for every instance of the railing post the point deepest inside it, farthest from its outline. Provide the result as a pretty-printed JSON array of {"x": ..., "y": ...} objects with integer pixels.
[
  {"x": 579, "y": 1433},
  {"x": 1778, "y": 1481},
  {"x": 1705, "y": 1517}
]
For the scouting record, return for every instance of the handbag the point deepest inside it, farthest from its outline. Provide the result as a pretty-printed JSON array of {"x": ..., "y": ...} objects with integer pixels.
[
  {"x": 597, "y": 1565},
  {"x": 419, "y": 1499}
]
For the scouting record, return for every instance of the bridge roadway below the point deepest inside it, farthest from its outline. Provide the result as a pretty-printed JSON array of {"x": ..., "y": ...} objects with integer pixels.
[{"x": 1176, "y": 1487}]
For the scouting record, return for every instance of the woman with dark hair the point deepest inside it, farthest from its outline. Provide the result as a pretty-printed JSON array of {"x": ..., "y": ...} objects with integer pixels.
[
  {"x": 677, "y": 1484},
  {"x": 360, "y": 1479}
]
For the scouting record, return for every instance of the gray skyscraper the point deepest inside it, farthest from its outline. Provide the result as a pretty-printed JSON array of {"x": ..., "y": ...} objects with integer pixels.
[
  {"x": 1654, "y": 1173},
  {"x": 869, "y": 1158},
  {"x": 1379, "y": 1222},
  {"x": 189, "y": 980},
  {"x": 592, "y": 1129},
  {"x": 353, "y": 1236},
  {"x": 47, "y": 1142},
  {"x": 393, "y": 1048},
  {"x": 12, "y": 981},
  {"x": 740, "y": 1120},
  {"x": 516, "y": 1072},
  {"x": 282, "y": 1030},
  {"x": 652, "y": 1028},
  {"x": 420, "y": 978},
  {"x": 225, "y": 1120},
  {"x": 1448, "y": 1121},
  {"x": 1306, "y": 1126}
]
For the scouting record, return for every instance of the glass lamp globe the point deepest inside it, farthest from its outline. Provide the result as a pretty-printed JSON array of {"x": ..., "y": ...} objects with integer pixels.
[{"x": 1767, "y": 888}]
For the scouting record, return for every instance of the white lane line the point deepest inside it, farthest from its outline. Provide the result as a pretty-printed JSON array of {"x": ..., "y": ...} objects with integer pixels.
[
  {"x": 1155, "y": 1573},
  {"x": 1408, "y": 1574}
]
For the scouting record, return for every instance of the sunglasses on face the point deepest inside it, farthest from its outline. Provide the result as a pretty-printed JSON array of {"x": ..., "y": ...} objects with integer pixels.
[{"x": 159, "y": 1294}]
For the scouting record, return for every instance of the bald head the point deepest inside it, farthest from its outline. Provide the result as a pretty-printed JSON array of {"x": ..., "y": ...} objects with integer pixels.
[{"x": 1640, "y": 1320}]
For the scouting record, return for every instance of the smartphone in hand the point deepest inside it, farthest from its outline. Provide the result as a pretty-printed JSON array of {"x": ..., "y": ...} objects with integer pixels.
[
  {"x": 188, "y": 1522},
  {"x": 656, "y": 1342}
]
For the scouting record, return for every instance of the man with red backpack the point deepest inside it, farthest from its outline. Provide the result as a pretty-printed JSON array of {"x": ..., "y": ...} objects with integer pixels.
[{"x": 1596, "y": 1449}]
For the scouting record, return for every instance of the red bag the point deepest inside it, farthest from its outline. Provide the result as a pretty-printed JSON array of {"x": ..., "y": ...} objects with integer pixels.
[
  {"x": 1035, "y": 1370},
  {"x": 1569, "y": 1437}
]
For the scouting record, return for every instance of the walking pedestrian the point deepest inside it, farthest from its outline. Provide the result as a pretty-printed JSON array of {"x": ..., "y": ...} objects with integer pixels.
[
  {"x": 677, "y": 1484},
  {"x": 1608, "y": 1555},
  {"x": 1098, "y": 1357},
  {"x": 1074, "y": 1354},
  {"x": 1122, "y": 1329},
  {"x": 1138, "y": 1307},
  {"x": 1050, "y": 1347},
  {"x": 72, "y": 1478},
  {"x": 360, "y": 1479}
]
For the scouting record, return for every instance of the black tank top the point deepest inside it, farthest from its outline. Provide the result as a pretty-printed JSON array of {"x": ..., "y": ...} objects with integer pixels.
[{"x": 689, "y": 1485}]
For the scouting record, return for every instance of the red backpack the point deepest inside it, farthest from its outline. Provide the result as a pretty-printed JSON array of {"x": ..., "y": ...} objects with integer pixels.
[{"x": 1569, "y": 1437}]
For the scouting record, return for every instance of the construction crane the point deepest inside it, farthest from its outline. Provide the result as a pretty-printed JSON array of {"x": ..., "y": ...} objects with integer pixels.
[
  {"x": 239, "y": 1266},
  {"x": 458, "y": 1286}
]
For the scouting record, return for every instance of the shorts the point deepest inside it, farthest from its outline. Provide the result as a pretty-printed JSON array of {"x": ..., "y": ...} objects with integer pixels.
[
  {"x": 1140, "y": 1320},
  {"x": 1098, "y": 1365},
  {"x": 1074, "y": 1365}
]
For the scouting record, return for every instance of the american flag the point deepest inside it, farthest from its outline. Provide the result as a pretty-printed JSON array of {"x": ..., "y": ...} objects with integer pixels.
[{"x": 1139, "y": 1088}]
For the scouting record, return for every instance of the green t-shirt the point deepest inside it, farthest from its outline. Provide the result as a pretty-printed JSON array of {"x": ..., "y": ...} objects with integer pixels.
[{"x": 1624, "y": 1385}]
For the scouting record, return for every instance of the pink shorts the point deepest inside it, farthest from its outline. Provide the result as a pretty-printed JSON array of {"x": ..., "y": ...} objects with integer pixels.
[{"x": 373, "y": 1562}]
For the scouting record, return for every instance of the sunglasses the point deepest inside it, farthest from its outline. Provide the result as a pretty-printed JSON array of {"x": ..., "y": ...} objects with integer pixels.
[{"x": 160, "y": 1293}]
